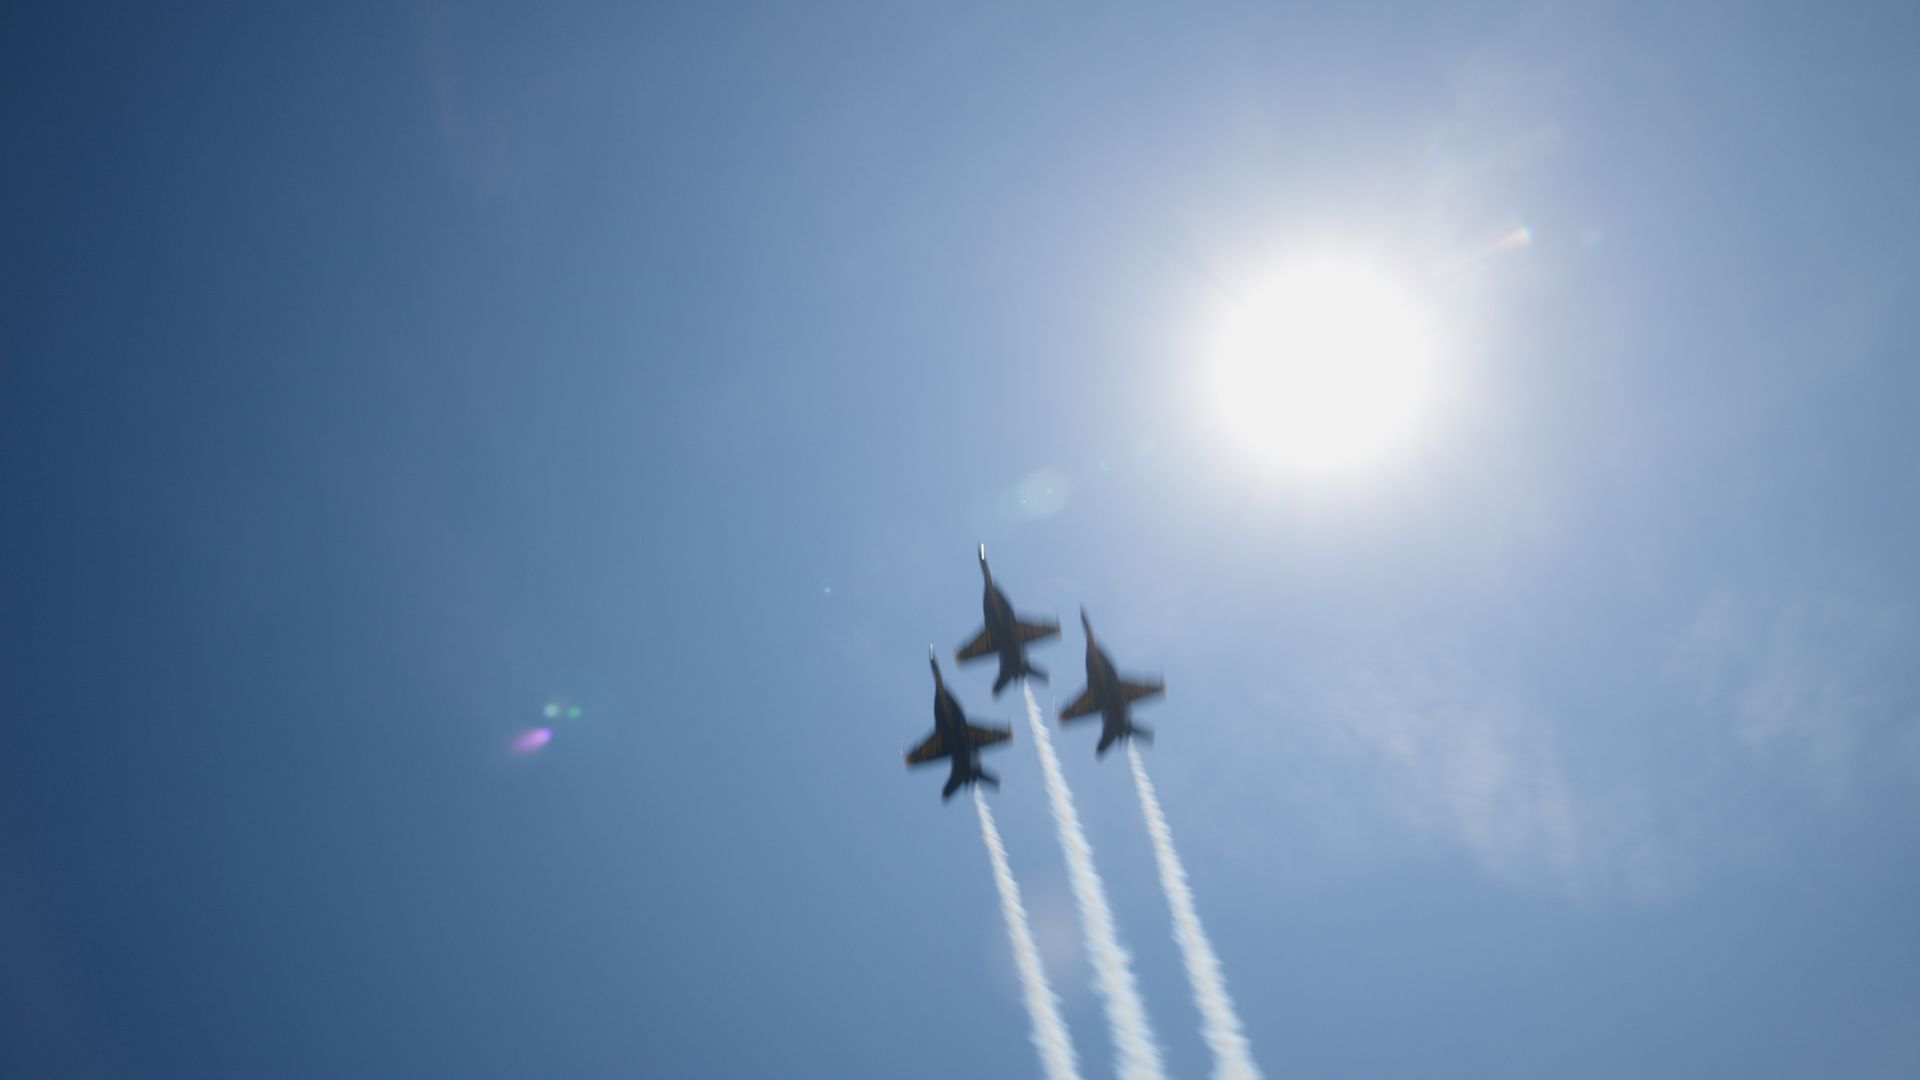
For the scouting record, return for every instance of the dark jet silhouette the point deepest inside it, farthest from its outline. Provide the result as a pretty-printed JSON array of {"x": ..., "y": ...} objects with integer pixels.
[
  {"x": 954, "y": 738},
  {"x": 1109, "y": 695},
  {"x": 1006, "y": 634}
]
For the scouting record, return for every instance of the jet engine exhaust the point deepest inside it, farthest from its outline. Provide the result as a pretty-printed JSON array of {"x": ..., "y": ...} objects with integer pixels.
[
  {"x": 1219, "y": 1022},
  {"x": 1139, "y": 1056},
  {"x": 1050, "y": 1037}
]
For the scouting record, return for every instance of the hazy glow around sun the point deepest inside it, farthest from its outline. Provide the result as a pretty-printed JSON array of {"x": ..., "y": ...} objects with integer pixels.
[{"x": 1323, "y": 366}]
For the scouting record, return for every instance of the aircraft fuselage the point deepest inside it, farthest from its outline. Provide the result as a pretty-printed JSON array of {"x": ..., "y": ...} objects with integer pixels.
[
  {"x": 952, "y": 724},
  {"x": 1002, "y": 625},
  {"x": 1105, "y": 681}
]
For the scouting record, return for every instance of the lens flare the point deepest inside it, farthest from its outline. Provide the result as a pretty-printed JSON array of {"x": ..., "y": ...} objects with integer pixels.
[
  {"x": 532, "y": 741},
  {"x": 1517, "y": 238}
]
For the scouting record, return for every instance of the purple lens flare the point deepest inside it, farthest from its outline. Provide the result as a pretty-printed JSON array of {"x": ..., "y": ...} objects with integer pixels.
[{"x": 532, "y": 740}]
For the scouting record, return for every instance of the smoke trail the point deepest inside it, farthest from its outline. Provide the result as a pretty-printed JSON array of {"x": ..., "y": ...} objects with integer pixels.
[
  {"x": 1049, "y": 1031},
  {"x": 1113, "y": 975},
  {"x": 1219, "y": 1023}
]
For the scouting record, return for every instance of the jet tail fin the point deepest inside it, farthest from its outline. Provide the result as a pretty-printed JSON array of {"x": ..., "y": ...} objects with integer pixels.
[
  {"x": 1008, "y": 674},
  {"x": 987, "y": 778},
  {"x": 953, "y": 784},
  {"x": 1133, "y": 731}
]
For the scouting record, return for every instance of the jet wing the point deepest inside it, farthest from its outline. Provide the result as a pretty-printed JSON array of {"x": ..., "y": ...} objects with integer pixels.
[
  {"x": 981, "y": 645},
  {"x": 1134, "y": 691},
  {"x": 981, "y": 736},
  {"x": 930, "y": 749},
  {"x": 1035, "y": 629},
  {"x": 1084, "y": 705}
]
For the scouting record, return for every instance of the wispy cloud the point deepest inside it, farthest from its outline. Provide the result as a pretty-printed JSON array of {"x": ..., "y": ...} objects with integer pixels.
[
  {"x": 1812, "y": 682},
  {"x": 1474, "y": 771},
  {"x": 1050, "y": 1036},
  {"x": 1680, "y": 773},
  {"x": 1434, "y": 751},
  {"x": 1133, "y": 1042},
  {"x": 1220, "y": 1022}
]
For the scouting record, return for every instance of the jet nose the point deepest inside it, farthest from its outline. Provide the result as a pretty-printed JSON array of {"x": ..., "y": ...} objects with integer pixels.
[{"x": 1084, "y": 624}]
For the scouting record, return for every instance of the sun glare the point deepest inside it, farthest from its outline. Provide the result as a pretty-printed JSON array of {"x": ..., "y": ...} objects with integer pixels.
[{"x": 1323, "y": 366}]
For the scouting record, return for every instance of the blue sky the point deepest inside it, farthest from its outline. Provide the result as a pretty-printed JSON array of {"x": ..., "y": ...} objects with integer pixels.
[{"x": 372, "y": 379}]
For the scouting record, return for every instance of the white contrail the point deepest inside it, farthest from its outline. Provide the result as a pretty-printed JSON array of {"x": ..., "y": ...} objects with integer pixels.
[
  {"x": 1113, "y": 974},
  {"x": 1049, "y": 1031},
  {"x": 1219, "y": 1023}
]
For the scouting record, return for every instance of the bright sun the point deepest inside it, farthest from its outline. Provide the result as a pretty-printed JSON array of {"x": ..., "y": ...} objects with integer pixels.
[{"x": 1323, "y": 366}]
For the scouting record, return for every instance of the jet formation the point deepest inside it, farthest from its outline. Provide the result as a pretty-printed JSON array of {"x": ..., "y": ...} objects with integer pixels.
[{"x": 1006, "y": 635}]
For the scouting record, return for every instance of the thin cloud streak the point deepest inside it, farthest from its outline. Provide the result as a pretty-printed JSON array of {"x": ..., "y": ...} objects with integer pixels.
[
  {"x": 1139, "y": 1055},
  {"x": 1049, "y": 1030},
  {"x": 1219, "y": 1021},
  {"x": 1810, "y": 680}
]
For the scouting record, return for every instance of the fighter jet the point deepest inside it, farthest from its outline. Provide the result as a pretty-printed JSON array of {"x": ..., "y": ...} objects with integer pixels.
[
  {"x": 1006, "y": 634},
  {"x": 954, "y": 738},
  {"x": 1109, "y": 695}
]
